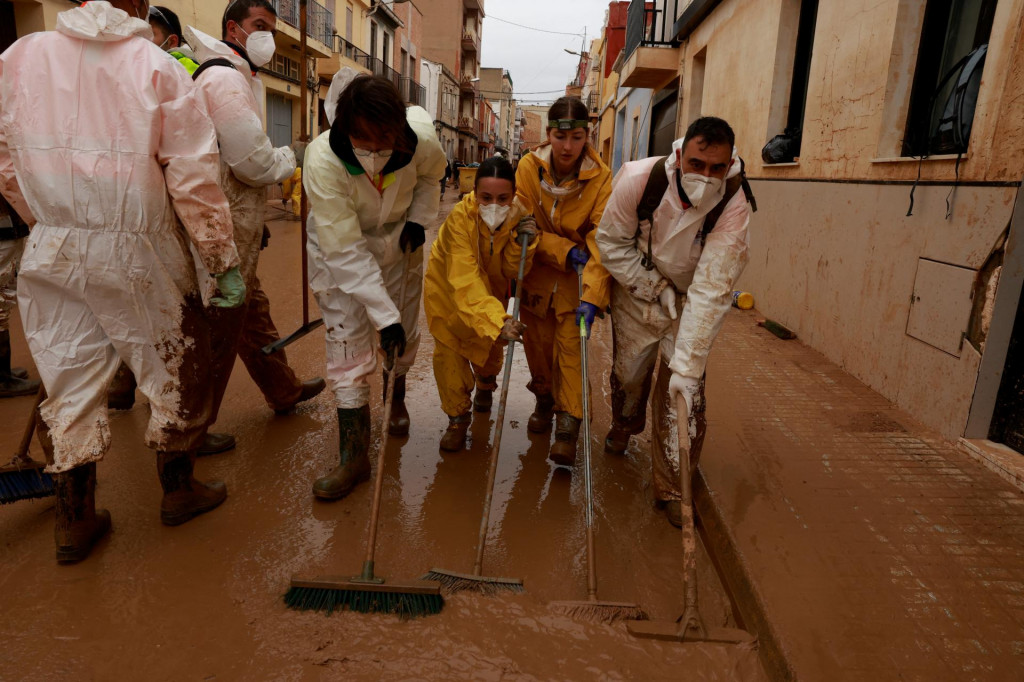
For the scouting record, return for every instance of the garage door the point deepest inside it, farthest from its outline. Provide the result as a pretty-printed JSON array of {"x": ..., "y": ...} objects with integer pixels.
[{"x": 279, "y": 120}]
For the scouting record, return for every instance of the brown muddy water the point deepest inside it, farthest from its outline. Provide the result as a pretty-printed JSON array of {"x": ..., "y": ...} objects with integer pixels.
[{"x": 203, "y": 601}]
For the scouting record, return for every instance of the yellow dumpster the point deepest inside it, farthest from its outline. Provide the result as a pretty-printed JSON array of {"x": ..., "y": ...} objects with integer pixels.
[{"x": 467, "y": 179}]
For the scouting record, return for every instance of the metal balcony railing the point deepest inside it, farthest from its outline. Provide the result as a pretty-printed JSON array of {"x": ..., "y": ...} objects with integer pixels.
[
  {"x": 653, "y": 25},
  {"x": 350, "y": 51},
  {"x": 412, "y": 92},
  {"x": 319, "y": 22},
  {"x": 592, "y": 102}
]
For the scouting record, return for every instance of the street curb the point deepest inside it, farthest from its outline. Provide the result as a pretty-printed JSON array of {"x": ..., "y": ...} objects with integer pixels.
[{"x": 735, "y": 574}]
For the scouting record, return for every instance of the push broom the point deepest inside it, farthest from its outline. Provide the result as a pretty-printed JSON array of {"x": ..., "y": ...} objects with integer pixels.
[
  {"x": 593, "y": 609},
  {"x": 366, "y": 592},
  {"x": 475, "y": 581},
  {"x": 23, "y": 478},
  {"x": 690, "y": 626}
]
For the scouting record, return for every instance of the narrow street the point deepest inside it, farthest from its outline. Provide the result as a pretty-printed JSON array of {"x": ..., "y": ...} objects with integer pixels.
[{"x": 203, "y": 601}]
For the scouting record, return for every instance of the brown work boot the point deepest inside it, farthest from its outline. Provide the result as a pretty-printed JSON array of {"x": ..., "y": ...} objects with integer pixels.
[
  {"x": 483, "y": 399},
  {"x": 184, "y": 496},
  {"x": 567, "y": 431},
  {"x": 79, "y": 524},
  {"x": 121, "y": 394},
  {"x": 310, "y": 389},
  {"x": 215, "y": 443},
  {"x": 354, "y": 459},
  {"x": 398, "y": 425},
  {"x": 540, "y": 420},
  {"x": 617, "y": 441},
  {"x": 454, "y": 438},
  {"x": 673, "y": 510}
]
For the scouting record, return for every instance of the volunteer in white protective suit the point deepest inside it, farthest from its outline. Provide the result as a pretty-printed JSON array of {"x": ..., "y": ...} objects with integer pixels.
[
  {"x": 372, "y": 184},
  {"x": 104, "y": 140},
  {"x": 14, "y": 381},
  {"x": 673, "y": 286}
]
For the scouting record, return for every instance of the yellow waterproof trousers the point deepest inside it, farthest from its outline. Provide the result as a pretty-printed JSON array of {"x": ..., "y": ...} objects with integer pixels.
[
  {"x": 456, "y": 376},
  {"x": 552, "y": 345}
]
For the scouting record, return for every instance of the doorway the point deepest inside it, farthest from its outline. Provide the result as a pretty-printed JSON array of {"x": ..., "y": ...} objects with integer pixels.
[{"x": 279, "y": 120}]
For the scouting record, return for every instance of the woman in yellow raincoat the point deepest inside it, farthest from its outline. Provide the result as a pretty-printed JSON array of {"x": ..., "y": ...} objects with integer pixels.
[
  {"x": 473, "y": 262},
  {"x": 565, "y": 185}
]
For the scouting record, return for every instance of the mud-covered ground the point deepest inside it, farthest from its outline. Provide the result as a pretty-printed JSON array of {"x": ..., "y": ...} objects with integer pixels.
[{"x": 203, "y": 601}]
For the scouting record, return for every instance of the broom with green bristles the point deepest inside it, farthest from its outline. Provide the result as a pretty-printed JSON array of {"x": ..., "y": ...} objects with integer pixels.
[
  {"x": 23, "y": 478},
  {"x": 367, "y": 593}
]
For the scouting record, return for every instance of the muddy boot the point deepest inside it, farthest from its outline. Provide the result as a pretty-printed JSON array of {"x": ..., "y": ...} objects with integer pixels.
[
  {"x": 184, "y": 496},
  {"x": 484, "y": 397},
  {"x": 673, "y": 510},
  {"x": 215, "y": 443},
  {"x": 79, "y": 525},
  {"x": 567, "y": 431},
  {"x": 454, "y": 438},
  {"x": 617, "y": 441},
  {"x": 540, "y": 420},
  {"x": 353, "y": 449},
  {"x": 12, "y": 385},
  {"x": 398, "y": 425},
  {"x": 310, "y": 389},
  {"x": 121, "y": 394}
]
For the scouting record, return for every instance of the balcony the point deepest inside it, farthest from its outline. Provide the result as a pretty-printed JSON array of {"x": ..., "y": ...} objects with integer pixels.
[
  {"x": 476, "y": 5},
  {"x": 593, "y": 103},
  {"x": 470, "y": 42},
  {"x": 468, "y": 85},
  {"x": 412, "y": 92},
  {"x": 347, "y": 50},
  {"x": 470, "y": 126},
  {"x": 649, "y": 58},
  {"x": 319, "y": 28}
]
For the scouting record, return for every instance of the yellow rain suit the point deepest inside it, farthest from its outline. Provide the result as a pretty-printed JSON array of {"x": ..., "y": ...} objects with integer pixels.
[
  {"x": 551, "y": 291},
  {"x": 465, "y": 297}
]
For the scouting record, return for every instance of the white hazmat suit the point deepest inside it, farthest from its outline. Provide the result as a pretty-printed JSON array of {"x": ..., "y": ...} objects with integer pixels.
[{"x": 106, "y": 139}]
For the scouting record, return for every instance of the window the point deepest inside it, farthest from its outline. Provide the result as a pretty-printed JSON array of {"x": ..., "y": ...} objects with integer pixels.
[
  {"x": 696, "y": 97},
  {"x": 386, "y": 42},
  {"x": 950, "y": 56},
  {"x": 663, "y": 120},
  {"x": 373, "y": 39},
  {"x": 284, "y": 67},
  {"x": 348, "y": 23},
  {"x": 404, "y": 65},
  {"x": 801, "y": 70}
]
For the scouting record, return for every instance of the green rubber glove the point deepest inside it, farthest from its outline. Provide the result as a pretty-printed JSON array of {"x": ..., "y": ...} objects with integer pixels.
[{"x": 231, "y": 289}]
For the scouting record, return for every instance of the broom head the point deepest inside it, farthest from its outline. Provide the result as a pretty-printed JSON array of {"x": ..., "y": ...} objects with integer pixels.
[
  {"x": 337, "y": 593},
  {"x": 598, "y": 611},
  {"x": 676, "y": 632},
  {"x": 24, "y": 480},
  {"x": 466, "y": 582}
]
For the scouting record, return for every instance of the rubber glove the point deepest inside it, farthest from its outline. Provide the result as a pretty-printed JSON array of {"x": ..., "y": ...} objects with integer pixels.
[
  {"x": 231, "y": 289},
  {"x": 587, "y": 311},
  {"x": 413, "y": 235},
  {"x": 577, "y": 258},
  {"x": 512, "y": 330},
  {"x": 668, "y": 301},
  {"x": 686, "y": 387},
  {"x": 392, "y": 341},
  {"x": 527, "y": 226}
]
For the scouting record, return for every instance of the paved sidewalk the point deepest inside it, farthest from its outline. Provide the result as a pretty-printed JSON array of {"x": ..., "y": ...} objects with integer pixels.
[{"x": 875, "y": 550}]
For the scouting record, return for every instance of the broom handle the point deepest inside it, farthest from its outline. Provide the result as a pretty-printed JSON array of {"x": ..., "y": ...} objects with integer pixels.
[
  {"x": 686, "y": 490},
  {"x": 588, "y": 485},
  {"x": 304, "y": 135},
  {"x": 30, "y": 427},
  {"x": 378, "y": 483},
  {"x": 481, "y": 541}
]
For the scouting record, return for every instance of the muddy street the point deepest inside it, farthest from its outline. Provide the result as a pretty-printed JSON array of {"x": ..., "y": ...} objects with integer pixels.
[{"x": 203, "y": 601}]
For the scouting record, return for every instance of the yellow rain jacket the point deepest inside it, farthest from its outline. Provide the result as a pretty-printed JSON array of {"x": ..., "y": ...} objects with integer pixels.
[
  {"x": 564, "y": 222},
  {"x": 291, "y": 188},
  {"x": 468, "y": 277}
]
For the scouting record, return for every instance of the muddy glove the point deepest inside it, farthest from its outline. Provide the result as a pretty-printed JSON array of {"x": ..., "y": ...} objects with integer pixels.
[
  {"x": 413, "y": 236},
  {"x": 577, "y": 258},
  {"x": 231, "y": 289},
  {"x": 265, "y": 238},
  {"x": 586, "y": 311},
  {"x": 512, "y": 330},
  {"x": 527, "y": 226},
  {"x": 685, "y": 386},
  {"x": 392, "y": 341},
  {"x": 668, "y": 301}
]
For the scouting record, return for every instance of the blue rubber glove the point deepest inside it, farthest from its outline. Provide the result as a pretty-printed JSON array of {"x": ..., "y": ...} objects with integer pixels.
[
  {"x": 231, "y": 289},
  {"x": 588, "y": 311},
  {"x": 577, "y": 258}
]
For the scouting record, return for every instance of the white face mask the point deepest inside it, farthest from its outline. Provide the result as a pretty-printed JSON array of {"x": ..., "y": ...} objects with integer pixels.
[
  {"x": 260, "y": 46},
  {"x": 699, "y": 187},
  {"x": 559, "y": 192},
  {"x": 372, "y": 162},
  {"x": 494, "y": 215}
]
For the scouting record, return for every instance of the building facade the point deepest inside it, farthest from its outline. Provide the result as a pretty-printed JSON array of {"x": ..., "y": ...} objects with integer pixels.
[{"x": 496, "y": 86}]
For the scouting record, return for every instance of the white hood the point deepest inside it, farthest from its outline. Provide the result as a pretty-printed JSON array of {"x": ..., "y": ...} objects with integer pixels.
[
  {"x": 206, "y": 47},
  {"x": 100, "y": 21},
  {"x": 342, "y": 78}
]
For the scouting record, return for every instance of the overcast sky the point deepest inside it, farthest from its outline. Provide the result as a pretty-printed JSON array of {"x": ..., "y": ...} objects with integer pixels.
[{"x": 536, "y": 60}]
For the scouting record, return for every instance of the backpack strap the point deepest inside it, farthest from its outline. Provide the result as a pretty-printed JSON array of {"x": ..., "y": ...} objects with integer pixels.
[
  {"x": 218, "y": 61},
  {"x": 654, "y": 192},
  {"x": 732, "y": 186}
]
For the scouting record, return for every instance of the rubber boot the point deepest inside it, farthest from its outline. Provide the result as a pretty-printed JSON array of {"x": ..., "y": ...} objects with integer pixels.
[
  {"x": 673, "y": 510},
  {"x": 121, "y": 394},
  {"x": 353, "y": 450},
  {"x": 567, "y": 431},
  {"x": 398, "y": 425},
  {"x": 79, "y": 525},
  {"x": 540, "y": 420},
  {"x": 311, "y": 388},
  {"x": 617, "y": 441},
  {"x": 454, "y": 438},
  {"x": 12, "y": 385},
  {"x": 483, "y": 399},
  {"x": 184, "y": 496},
  {"x": 215, "y": 443}
]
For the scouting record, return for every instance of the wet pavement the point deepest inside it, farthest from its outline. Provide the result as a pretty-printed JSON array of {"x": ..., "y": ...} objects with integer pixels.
[{"x": 203, "y": 600}]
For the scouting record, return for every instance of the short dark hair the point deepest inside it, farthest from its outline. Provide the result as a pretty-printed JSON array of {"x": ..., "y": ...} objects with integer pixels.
[
  {"x": 371, "y": 105},
  {"x": 167, "y": 20},
  {"x": 713, "y": 130},
  {"x": 238, "y": 11},
  {"x": 495, "y": 167},
  {"x": 571, "y": 108}
]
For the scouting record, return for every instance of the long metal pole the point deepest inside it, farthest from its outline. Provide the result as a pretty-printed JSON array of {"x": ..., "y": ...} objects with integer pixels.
[{"x": 304, "y": 137}]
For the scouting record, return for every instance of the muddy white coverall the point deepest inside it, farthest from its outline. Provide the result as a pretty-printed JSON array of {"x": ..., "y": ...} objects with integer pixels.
[
  {"x": 106, "y": 140},
  {"x": 704, "y": 279},
  {"x": 356, "y": 265},
  {"x": 469, "y": 277}
]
